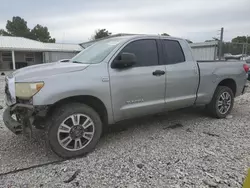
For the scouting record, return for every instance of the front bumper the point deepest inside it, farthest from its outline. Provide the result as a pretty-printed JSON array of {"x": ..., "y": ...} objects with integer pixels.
[
  {"x": 12, "y": 124},
  {"x": 26, "y": 118},
  {"x": 22, "y": 123}
]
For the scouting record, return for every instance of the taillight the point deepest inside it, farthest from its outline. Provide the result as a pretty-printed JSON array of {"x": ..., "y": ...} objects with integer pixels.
[{"x": 246, "y": 67}]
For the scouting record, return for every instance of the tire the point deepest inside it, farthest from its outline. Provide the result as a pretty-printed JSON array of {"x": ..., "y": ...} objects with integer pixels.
[
  {"x": 213, "y": 107},
  {"x": 64, "y": 116}
]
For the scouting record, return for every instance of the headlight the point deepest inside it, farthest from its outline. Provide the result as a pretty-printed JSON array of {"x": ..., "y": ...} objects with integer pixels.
[{"x": 27, "y": 90}]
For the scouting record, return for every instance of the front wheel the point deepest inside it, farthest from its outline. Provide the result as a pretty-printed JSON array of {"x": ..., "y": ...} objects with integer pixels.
[
  {"x": 222, "y": 102},
  {"x": 74, "y": 130}
]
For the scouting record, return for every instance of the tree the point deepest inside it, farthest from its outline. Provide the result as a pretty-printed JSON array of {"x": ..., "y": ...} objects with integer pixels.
[
  {"x": 42, "y": 34},
  {"x": 237, "y": 45},
  {"x": 100, "y": 33},
  {"x": 18, "y": 27},
  {"x": 165, "y": 34},
  {"x": 4, "y": 33},
  {"x": 241, "y": 39}
]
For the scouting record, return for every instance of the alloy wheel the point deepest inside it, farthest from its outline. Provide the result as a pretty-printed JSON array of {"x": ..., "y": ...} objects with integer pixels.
[
  {"x": 76, "y": 132},
  {"x": 224, "y": 102}
]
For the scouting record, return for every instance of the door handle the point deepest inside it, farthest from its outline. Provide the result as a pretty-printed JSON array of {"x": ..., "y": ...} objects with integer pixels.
[{"x": 158, "y": 73}]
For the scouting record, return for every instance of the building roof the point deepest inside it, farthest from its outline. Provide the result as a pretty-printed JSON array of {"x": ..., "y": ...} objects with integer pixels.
[
  {"x": 24, "y": 44},
  {"x": 62, "y": 47},
  {"x": 204, "y": 44}
]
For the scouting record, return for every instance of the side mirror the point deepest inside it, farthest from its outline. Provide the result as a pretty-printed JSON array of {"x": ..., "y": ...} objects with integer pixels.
[{"x": 124, "y": 60}]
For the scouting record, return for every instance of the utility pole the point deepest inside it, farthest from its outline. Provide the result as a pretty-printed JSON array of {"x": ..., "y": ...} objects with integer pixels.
[
  {"x": 246, "y": 45},
  {"x": 221, "y": 42},
  {"x": 243, "y": 50}
]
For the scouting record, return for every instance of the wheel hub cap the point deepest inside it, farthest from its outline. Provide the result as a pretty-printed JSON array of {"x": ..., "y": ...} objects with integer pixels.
[
  {"x": 76, "y": 132},
  {"x": 224, "y": 102}
]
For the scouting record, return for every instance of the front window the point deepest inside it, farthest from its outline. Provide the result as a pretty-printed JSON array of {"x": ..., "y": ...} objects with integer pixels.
[
  {"x": 98, "y": 51},
  {"x": 145, "y": 51}
]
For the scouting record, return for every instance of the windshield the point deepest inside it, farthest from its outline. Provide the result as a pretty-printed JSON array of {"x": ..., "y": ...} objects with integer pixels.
[{"x": 97, "y": 52}]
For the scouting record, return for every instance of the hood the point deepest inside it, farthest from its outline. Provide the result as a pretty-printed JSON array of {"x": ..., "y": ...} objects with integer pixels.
[{"x": 45, "y": 70}]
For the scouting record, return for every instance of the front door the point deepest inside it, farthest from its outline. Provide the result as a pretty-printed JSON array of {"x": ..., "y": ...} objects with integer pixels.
[{"x": 138, "y": 90}]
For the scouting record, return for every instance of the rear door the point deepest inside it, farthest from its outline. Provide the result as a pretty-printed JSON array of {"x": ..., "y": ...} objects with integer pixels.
[
  {"x": 182, "y": 75},
  {"x": 138, "y": 90}
]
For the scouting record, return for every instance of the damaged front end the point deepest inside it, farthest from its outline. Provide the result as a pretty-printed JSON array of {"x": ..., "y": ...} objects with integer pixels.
[
  {"x": 20, "y": 115},
  {"x": 22, "y": 118},
  {"x": 18, "y": 119}
]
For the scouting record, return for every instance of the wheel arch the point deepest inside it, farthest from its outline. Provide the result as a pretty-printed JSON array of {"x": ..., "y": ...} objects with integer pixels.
[
  {"x": 89, "y": 100},
  {"x": 229, "y": 82}
]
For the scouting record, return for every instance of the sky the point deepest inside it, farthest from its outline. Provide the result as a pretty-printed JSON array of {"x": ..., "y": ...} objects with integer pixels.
[{"x": 76, "y": 21}]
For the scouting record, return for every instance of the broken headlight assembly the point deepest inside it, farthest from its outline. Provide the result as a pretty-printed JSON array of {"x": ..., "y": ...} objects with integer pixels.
[{"x": 25, "y": 90}]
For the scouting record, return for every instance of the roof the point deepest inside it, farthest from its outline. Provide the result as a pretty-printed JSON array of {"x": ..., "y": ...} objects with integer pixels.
[
  {"x": 24, "y": 44},
  {"x": 89, "y": 43},
  {"x": 204, "y": 44},
  {"x": 193, "y": 45}
]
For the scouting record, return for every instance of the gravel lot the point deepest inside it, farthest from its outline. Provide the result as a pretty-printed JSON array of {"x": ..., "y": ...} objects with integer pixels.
[{"x": 180, "y": 149}]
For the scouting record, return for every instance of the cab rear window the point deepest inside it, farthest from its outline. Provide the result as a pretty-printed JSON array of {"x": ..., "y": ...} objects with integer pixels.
[{"x": 173, "y": 52}]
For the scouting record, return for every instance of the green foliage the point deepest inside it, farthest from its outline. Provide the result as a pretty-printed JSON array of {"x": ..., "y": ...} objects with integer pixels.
[
  {"x": 42, "y": 34},
  {"x": 241, "y": 39},
  {"x": 237, "y": 46},
  {"x": 18, "y": 27},
  {"x": 232, "y": 48},
  {"x": 4, "y": 33},
  {"x": 101, "y": 33},
  {"x": 165, "y": 34}
]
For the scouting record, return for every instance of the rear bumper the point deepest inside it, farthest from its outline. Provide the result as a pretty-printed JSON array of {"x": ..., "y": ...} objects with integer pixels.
[{"x": 13, "y": 125}]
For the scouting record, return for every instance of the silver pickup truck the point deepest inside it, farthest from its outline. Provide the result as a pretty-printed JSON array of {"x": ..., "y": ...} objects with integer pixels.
[{"x": 116, "y": 79}]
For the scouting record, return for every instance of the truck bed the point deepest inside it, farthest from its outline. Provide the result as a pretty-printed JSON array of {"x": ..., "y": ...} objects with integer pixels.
[{"x": 213, "y": 72}]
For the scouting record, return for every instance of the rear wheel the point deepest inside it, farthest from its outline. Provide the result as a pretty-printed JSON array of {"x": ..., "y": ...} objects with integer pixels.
[
  {"x": 74, "y": 130},
  {"x": 222, "y": 102}
]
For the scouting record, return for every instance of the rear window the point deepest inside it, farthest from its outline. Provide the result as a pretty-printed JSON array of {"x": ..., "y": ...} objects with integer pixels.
[{"x": 173, "y": 52}]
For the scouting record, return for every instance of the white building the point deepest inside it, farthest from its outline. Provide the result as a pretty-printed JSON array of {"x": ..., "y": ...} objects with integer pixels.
[
  {"x": 205, "y": 50},
  {"x": 18, "y": 52}
]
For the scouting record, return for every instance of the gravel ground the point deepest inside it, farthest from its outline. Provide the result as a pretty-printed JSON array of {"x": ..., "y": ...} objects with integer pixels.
[{"x": 180, "y": 149}]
